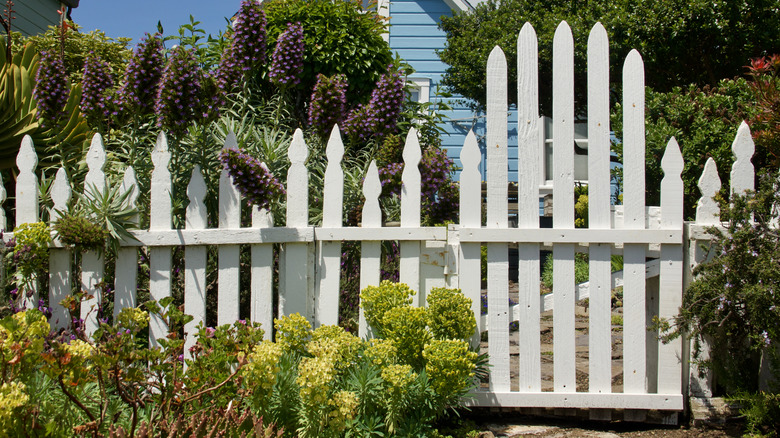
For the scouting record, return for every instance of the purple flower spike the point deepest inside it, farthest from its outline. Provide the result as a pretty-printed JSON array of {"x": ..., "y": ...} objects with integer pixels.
[
  {"x": 179, "y": 100},
  {"x": 143, "y": 76},
  {"x": 328, "y": 102},
  {"x": 51, "y": 89},
  {"x": 252, "y": 178},
  {"x": 287, "y": 59},
  {"x": 97, "y": 82}
]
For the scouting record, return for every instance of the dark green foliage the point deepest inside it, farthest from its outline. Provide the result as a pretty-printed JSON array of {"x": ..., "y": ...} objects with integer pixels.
[
  {"x": 79, "y": 232},
  {"x": 334, "y": 31},
  {"x": 703, "y": 120},
  {"x": 681, "y": 41}
]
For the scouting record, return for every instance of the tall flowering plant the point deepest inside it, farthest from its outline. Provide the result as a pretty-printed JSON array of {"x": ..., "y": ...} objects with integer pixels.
[
  {"x": 95, "y": 95},
  {"x": 287, "y": 59},
  {"x": 247, "y": 46},
  {"x": 51, "y": 89},
  {"x": 143, "y": 74},
  {"x": 179, "y": 100},
  {"x": 328, "y": 102},
  {"x": 378, "y": 117},
  {"x": 253, "y": 179}
]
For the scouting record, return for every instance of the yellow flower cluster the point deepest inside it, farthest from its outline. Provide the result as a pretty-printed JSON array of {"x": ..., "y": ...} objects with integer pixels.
[
  {"x": 263, "y": 365},
  {"x": 376, "y": 300},
  {"x": 398, "y": 378},
  {"x": 344, "y": 405},
  {"x": 449, "y": 365},
  {"x": 382, "y": 352},
  {"x": 12, "y": 396},
  {"x": 407, "y": 328},
  {"x": 315, "y": 377},
  {"x": 334, "y": 341},
  {"x": 25, "y": 336},
  {"x": 133, "y": 318},
  {"x": 292, "y": 332},
  {"x": 450, "y": 315}
]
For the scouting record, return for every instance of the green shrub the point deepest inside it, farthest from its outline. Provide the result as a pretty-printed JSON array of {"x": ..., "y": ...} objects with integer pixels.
[{"x": 450, "y": 315}]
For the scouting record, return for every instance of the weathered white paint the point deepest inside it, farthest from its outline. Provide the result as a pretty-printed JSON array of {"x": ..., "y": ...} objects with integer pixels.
[
  {"x": 229, "y": 218},
  {"x": 59, "y": 258},
  {"x": 126, "y": 273},
  {"x": 708, "y": 209},
  {"x": 27, "y": 200},
  {"x": 370, "y": 250},
  {"x": 296, "y": 296},
  {"x": 159, "y": 219},
  {"x": 93, "y": 262},
  {"x": 470, "y": 254},
  {"x": 195, "y": 257},
  {"x": 742, "y": 172},
  {"x": 409, "y": 266}
]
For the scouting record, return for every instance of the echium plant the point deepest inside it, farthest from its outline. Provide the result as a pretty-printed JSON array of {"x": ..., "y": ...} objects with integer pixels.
[
  {"x": 179, "y": 101},
  {"x": 328, "y": 102},
  {"x": 379, "y": 115},
  {"x": 287, "y": 59},
  {"x": 51, "y": 89},
  {"x": 252, "y": 178},
  {"x": 97, "y": 84},
  {"x": 143, "y": 76},
  {"x": 247, "y": 47}
]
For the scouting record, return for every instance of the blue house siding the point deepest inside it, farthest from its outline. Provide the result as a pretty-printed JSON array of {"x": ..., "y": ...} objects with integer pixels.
[
  {"x": 415, "y": 36},
  {"x": 33, "y": 17}
]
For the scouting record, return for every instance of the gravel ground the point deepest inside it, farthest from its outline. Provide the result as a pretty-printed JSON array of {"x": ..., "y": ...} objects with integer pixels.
[{"x": 519, "y": 427}]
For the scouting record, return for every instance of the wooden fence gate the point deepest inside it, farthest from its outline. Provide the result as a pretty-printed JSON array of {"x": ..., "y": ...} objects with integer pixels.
[{"x": 310, "y": 257}]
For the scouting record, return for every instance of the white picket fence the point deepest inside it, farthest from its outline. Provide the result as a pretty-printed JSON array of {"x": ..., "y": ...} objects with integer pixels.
[{"x": 310, "y": 256}]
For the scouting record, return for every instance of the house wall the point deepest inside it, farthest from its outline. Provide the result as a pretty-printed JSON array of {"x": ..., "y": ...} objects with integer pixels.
[
  {"x": 35, "y": 16},
  {"x": 415, "y": 36}
]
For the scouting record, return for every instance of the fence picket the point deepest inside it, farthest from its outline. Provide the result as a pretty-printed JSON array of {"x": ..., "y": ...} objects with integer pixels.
[
  {"x": 470, "y": 258},
  {"x": 670, "y": 276},
  {"x": 529, "y": 371},
  {"x": 126, "y": 277},
  {"x": 296, "y": 296},
  {"x": 195, "y": 258},
  {"x": 634, "y": 318},
  {"x": 92, "y": 261},
  {"x": 229, "y": 219},
  {"x": 329, "y": 263},
  {"x": 59, "y": 258},
  {"x": 564, "y": 362},
  {"x": 27, "y": 198},
  {"x": 708, "y": 209},
  {"x": 3, "y": 198},
  {"x": 497, "y": 211},
  {"x": 742, "y": 172},
  {"x": 159, "y": 219},
  {"x": 370, "y": 250},
  {"x": 410, "y": 216},
  {"x": 599, "y": 190}
]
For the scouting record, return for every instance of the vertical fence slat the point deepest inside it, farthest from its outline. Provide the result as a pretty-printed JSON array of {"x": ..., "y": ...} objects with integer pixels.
[
  {"x": 600, "y": 304},
  {"x": 329, "y": 263},
  {"x": 230, "y": 218},
  {"x": 497, "y": 217},
  {"x": 93, "y": 262},
  {"x": 370, "y": 251},
  {"x": 742, "y": 172},
  {"x": 708, "y": 209},
  {"x": 126, "y": 278},
  {"x": 27, "y": 198},
  {"x": 470, "y": 275},
  {"x": 670, "y": 277},
  {"x": 3, "y": 198},
  {"x": 195, "y": 257},
  {"x": 564, "y": 360},
  {"x": 159, "y": 219},
  {"x": 262, "y": 275},
  {"x": 634, "y": 317},
  {"x": 296, "y": 297},
  {"x": 409, "y": 266},
  {"x": 59, "y": 258},
  {"x": 529, "y": 371}
]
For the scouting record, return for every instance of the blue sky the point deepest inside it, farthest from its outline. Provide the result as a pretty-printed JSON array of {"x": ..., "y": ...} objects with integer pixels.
[{"x": 134, "y": 18}]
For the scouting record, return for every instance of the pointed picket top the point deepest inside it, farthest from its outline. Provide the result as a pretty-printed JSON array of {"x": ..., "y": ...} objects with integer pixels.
[
  {"x": 231, "y": 142},
  {"x": 672, "y": 186},
  {"x": 298, "y": 151},
  {"x": 528, "y": 84},
  {"x": 411, "y": 180},
  {"x": 333, "y": 194},
  {"x": 598, "y": 128},
  {"x": 196, "y": 215},
  {"x": 60, "y": 193},
  {"x": 563, "y": 35},
  {"x": 470, "y": 182},
  {"x": 161, "y": 156},
  {"x": 96, "y": 161},
  {"x": 335, "y": 148},
  {"x": 297, "y": 182},
  {"x": 742, "y": 172},
  {"x": 708, "y": 209},
  {"x": 27, "y": 159},
  {"x": 229, "y": 202},
  {"x": 496, "y": 59},
  {"x": 372, "y": 188},
  {"x": 26, "y": 183},
  {"x": 634, "y": 140}
]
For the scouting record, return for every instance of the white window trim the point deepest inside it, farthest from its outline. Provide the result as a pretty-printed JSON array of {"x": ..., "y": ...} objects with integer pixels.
[{"x": 423, "y": 85}]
